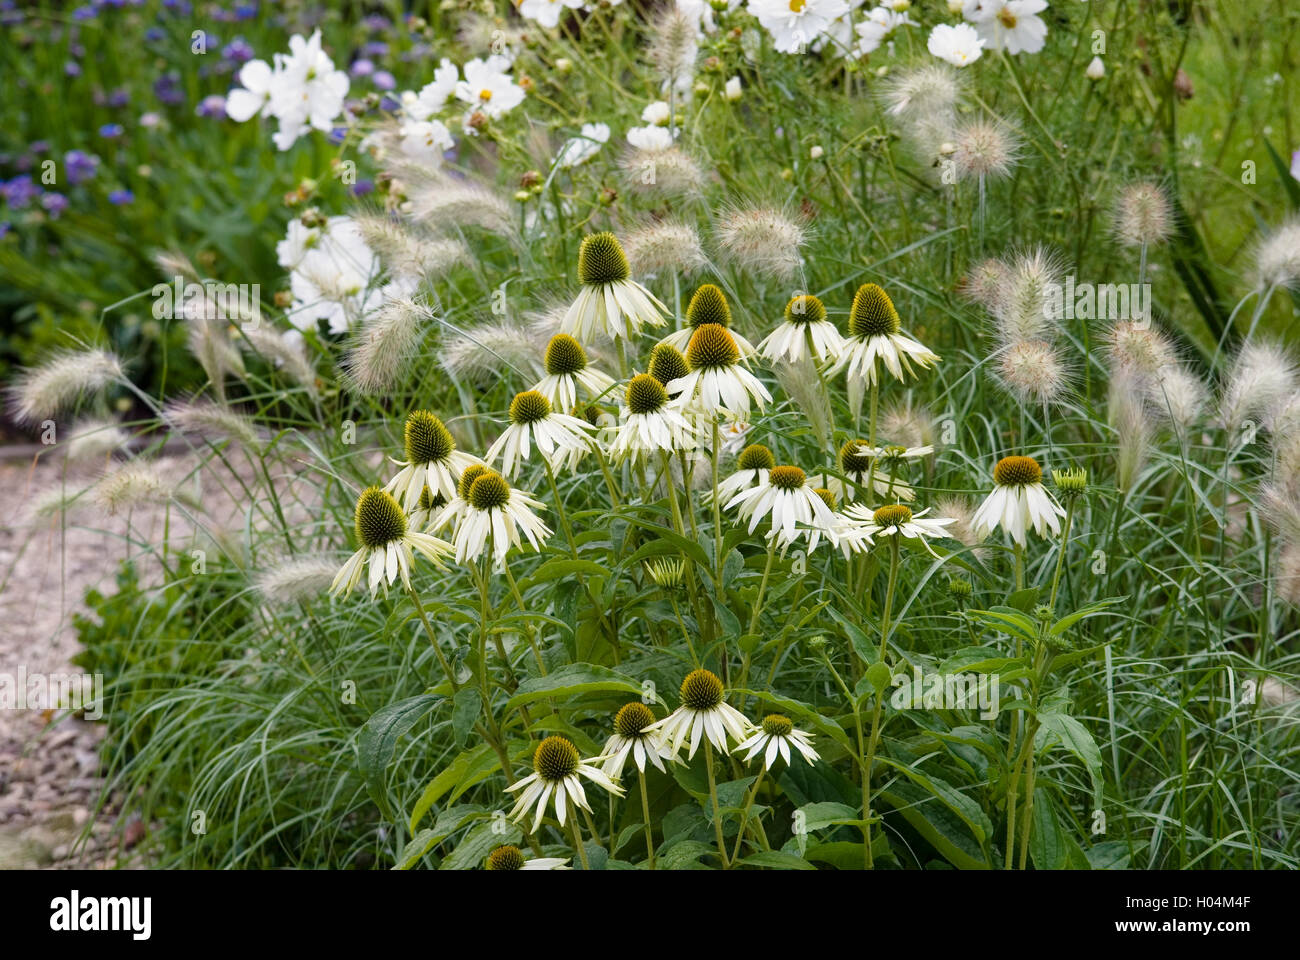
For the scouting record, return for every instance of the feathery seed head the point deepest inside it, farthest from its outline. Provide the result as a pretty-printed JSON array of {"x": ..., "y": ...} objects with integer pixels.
[
  {"x": 379, "y": 519},
  {"x": 1277, "y": 257},
  {"x": 1032, "y": 370},
  {"x": 985, "y": 149},
  {"x": 663, "y": 173},
  {"x": 602, "y": 260},
  {"x": 985, "y": 282},
  {"x": 645, "y": 394},
  {"x": 708, "y": 305},
  {"x": 1143, "y": 215},
  {"x": 872, "y": 313},
  {"x": 555, "y": 759},
  {"x": 755, "y": 457},
  {"x": 1139, "y": 348},
  {"x": 664, "y": 245},
  {"x": 701, "y": 690},
  {"x": 1262, "y": 377},
  {"x": 529, "y": 407},
  {"x": 892, "y": 515},
  {"x": 786, "y": 478},
  {"x": 298, "y": 578},
  {"x": 761, "y": 239},
  {"x": 1017, "y": 471},
  {"x": 505, "y": 858},
  {"x": 42, "y": 392},
  {"x": 1027, "y": 299},
  {"x": 777, "y": 725},
  {"x": 564, "y": 354},
  {"x": 805, "y": 309},
  {"x": 667, "y": 364},
  {"x": 632, "y": 718},
  {"x": 128, "y": 485},
  {"x": 488, "y": 491},
  {"x": 426, "y": 438},
  {"x": 383, "y": 347},
  {"x": 711, "y": 346}
]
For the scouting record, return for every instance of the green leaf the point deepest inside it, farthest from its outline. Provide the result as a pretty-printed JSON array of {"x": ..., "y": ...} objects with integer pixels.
[
  {"x": 1046, "y": 844},
  {"x": 448, "y": 822},
  {"x": 464, "y": 713},
  {"x": 777, "y": 860},
  {"x": 879, "y": 676},
  {"x": 941, "y": 828},
  {"x": 683, "y": 545},
  {"x": 572, "y": 680},
  {"x": 1091, "y": 610},
  {"x": 452, "y": 775},
  {"x": 564, "y": 568},
  {"x": 827, "y": 813},
  {"x": 1112, "y": 854},
  {"x": 1023, "y": 600},
  {"x": 1289, "y": 182},
  {"x": 378, "y": 740},
  {"x": 685, "y": 855},
  {"x": 479, "y": 842},
  {"x": 963, "y": 806},
  {"x": 1008, "y": 620},
  {"x": 1075, "y": 738}
]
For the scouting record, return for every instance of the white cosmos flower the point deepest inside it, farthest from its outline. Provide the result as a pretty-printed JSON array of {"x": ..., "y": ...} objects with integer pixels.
[
  {"x": 546, "y": 12},
  {"x": 433, "y": 96},
  {"x": 650, "y": 423},
  {"x": 609, "y": 304},
  {"x": 879, "y": 27},
  {"x": 306, "y": 90},
  {"x": 493, "y": 510},
  {"x": 510, "y": 857},
  {"x": 561, "y": 439},
  {"x": 633, "y": 740},
  {"x": 566, "y": 370},
  {"x": 788, "y": 500},
  {"x": 432, "y": 461},
  {"x": 652, "y": 138},
  {"x": 1010, "y": 25},
  {"x": 1019, "y": 502},
  {"x": 580, "y": 149},
  {"x": 805, "y": 331},
  {"x": 959, "y": 45},
  {"x": 558, "y": 772},
  {"x": 795, "y": 25},
  {"x": 774, "y": 738},
  {"x": 254, "y": 97},
  {"x": 752, "y": 467},
  {"x": 489, "y": 88},
  {"x": 657, "y": 114},
  {"x": 874, "y": 337},
  {"x": 386, "y": 546},
  {"x": 717, "y": 380},
  {"x": 897, "y": 519},
  {"x": 703, "y": 714},
  {"x": 426, "y": 141}
]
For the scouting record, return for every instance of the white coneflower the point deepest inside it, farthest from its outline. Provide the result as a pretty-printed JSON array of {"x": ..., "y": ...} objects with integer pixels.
[
  {"x": 896, "y": 519},
  {"x": 128, "y": 485},
  {"x": 1143, "y": 215},
  {"x": 567, "y": 369},
  {"x": 909, "y": 423},
  {"x": 774, "y": 738},
  {"x": 286, "y": 354},
  {"x": 1032, "y": 371},
  {"x": 493, "y": 510},
  {"x": 650, "y": 424},
  {"x": 664, "y": 245},
  {"x": 761, "y": 239},
  {"x": 477, "y": 354},
  {"x": 874, "y": 337},
  {"x": 708, "y": 305},
  {"x": 717, "y": 379},
  {"x": 666, "y": 365},
  {"x": 432, "y": 461},
  {"x": 1260, "y": 380},
  {"x": 509, "y": 857},
  {"x": 558, "y": 772},
  {"x": 294, "y": 579},
  {"x": 386, "y": 547},
  {"x": 445, "y": 202},
  {"x": 804, "y": 331},
  {"x": 409, "y": 252},
  {"x": 93, "y": 440},
  {"x": 703, "y": 714},
  {"x": 1026, "y": 300},
  {"x": 752, "y": 467},
  {"x": 666, "y": 573},
  {"x": 385, "y": 345},
  {"x": 1277, "y": 257},
  {"x": 788, "y": 499},
  {"x": 212, "y": 420},
  {"x": 1019, "y": 502},
  {"x": 610, "y": 303},
  {"x": 664, "y": 174},
  {"x": 859, "y": 462},
  {"x": 633, "y": 739},
  {"x": 561, "y": 439},
  {"x": 450, "y": 512},
  {"x": 40, "y": 393},
  {"x": 984, "y": 149}
]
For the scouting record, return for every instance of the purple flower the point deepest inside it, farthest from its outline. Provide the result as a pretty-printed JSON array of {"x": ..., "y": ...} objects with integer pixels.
[
  {"x": 375, "y": 48},
  {"x": 1295, "y": 164},
  {"x": 154, "y": 34},
  {"x": 119, "y": 98},
  {"x": 361, "y": 68},
  {"x": 120, "y": 198},
  {"x": 19, "y": 192},
  {"x": 72, "y": 68},
  {"x": 383, "y": 80},
  {"x": 375, "y": 22},
  {"x": 213, "y": 105},
  {"x": 338, "y": 135},
  {"x": 54, "y": 204},
  {"x": 111, "y": 131},
  {"x": 82, "y": 14},
  {"x": 363, "y": 187},
  {"x": 80, "y": 166},
  {"x": 39, "y": 146},
  {"x": 239, "y": 50},
  {"x": 5, "y": 227},
  {"x": 167, "y": 89},
  {"x": 180, "y": 7},
  {"x": 246, "y": 11}
]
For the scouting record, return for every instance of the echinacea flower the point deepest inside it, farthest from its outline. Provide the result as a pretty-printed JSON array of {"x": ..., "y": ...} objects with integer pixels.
[
  {"x": 703, "y": 714},
  {"x": 386, "y": 545},
  {"x": 666, "y": 365},
  {"x": 634, "y": 739},
  {"x": 509, "y": 857},
  {"x": 873, "y": 336},
  {"x": 1019, "y": 502},
  {"x": 804, "y": 331},
  {"x": 708, "y": 305},
  {"x": 896, "y": 519},
  {"x": 567, "y": 369},
  {"x": 561, "y": 439},
  {"x": 752, "y": 466},
  {"x": 432, "y": 461},
  {"x": 493, "y": 510},
  {"x": 455, "y": 508},
  {"x": 774, "y": 737},
  {"x": 859, "y": 462},
  {"x": 610, "y": 303},
  {"x": 717, "y": 379},
  {"x": 650, "y": 423},
  {"x": 558, "y": 771},
  {"x": 788, "y": 499}
]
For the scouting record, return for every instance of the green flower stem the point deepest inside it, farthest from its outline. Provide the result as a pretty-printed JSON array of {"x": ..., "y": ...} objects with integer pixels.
[
  {"x": 433, "y": 641},
  {"x": 755, "y": 614},
  {"x": 713, "y": 797},
  {"x": 876, "y": 712},
  {"x": 649, "y": 830},
  {"x": 1065, "y": 544},
  {"x": 744, "y": 815},
  {"x": 528, "y": 629},
  {"x": 577, "y": 841}
]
